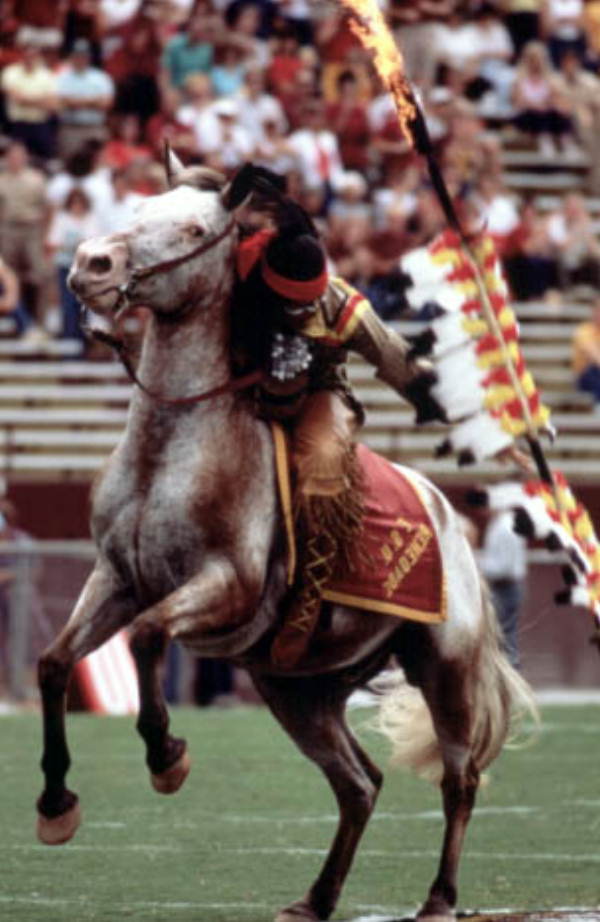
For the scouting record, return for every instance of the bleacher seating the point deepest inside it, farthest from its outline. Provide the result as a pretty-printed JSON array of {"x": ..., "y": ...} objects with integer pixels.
[{"x": 60, "y": 419}]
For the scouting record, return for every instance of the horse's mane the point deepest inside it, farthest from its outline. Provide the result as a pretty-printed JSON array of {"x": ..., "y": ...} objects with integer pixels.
[{"x": 202, "y": 178}]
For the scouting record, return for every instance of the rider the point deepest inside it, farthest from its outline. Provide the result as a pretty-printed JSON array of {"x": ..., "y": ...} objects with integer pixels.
[{"x": 296, "y": 322}]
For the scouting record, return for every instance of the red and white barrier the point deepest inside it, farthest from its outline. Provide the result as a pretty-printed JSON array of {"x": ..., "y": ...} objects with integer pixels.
[{"x": 106, "y": 679}]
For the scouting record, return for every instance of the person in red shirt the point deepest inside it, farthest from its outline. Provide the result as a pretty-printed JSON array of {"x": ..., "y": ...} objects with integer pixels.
[{"x": 347, "y": 118}]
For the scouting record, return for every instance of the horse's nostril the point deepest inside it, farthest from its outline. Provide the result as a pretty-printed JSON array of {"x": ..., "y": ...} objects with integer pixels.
[{"x": 100, "y": 265}]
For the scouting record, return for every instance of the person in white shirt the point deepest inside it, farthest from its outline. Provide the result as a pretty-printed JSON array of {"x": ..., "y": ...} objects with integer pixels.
[
  {"x": 503, "y": 561},
  {"x": 256, "y": 106},
  {"x": 197, "y": 112},
  {"x": 84, "y": 171},
  {"x": 316, "y": 148},
  {"x": 70, "y": 225},
  {"x": 119, "y": 211},
  {"x": 229, "y": 145}
]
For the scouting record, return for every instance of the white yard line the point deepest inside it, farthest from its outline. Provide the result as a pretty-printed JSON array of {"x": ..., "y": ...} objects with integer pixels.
[
  {"x": 36, "y": 900},
  {"x": 401, "y": 854},
  {"x": 240, "y": 819}
]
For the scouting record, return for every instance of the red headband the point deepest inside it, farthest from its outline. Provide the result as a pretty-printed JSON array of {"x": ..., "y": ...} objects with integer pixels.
[
  {"x": 250, "y": 250},
  {"x": 302, "y": 292}
]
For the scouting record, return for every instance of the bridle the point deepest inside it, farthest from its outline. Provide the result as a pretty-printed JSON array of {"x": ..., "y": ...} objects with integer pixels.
[{"x": 121, "y": 349}]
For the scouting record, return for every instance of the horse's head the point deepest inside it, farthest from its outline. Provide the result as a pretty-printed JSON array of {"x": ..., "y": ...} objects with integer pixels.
[{"x": 176, "y": 253}]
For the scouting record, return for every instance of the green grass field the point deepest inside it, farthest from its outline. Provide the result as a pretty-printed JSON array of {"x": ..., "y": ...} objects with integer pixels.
[{"x": 247, "y": 832}]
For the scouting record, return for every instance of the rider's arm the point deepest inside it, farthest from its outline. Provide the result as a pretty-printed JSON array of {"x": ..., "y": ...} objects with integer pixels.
[{"x": 385, "y": 349}]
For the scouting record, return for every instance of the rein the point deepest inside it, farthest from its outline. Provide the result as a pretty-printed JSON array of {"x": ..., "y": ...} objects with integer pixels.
[
  {"x": 231, "y": 386},
  {"x": 155, "y": 268}
]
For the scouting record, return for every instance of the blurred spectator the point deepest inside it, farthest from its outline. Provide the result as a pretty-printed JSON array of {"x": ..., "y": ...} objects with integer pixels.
[
  {"x": 244, "y": 23},
  {"x": 503, "y": 561},
  {"x": 228, "y": 145},
  {"x": 427, "y": 219},
  {"x": 393, "y": 151},
  {"x": 286, "y": 64},
  {"x": 562, "y": 28},
  {"x": 197, "y": 112},
  {"x": 349, "y": 216},
  {"x": 316, "y": 148},
  {"x": 119, "y": 210},
  {"x": 585, "y": 354},
  {"x": 416, "y": 28},
  {"x": 70, "y": 225},
  {"x": 227, "y": 73},
  {"x": 10, "y": 304},
  {"x": 41, "y": 22},
  {"x": 579, "y": 95},
  {"x": 468, "y": 151},
  {"x": 531, "y": 266},
  {"x": 385, "y": 285},
  {"x": 191, "y": 51},
  {"x": 20, "y": 603},
  {"x": 522, "y": 18},
  {"x": 125, "y": 144},
  {"x": 83, "y": 22},
  {"x": 274, "y": 150},
  {"x": 85, "y": 95},
  {"x": 83, "y": 170},
  {"x": 256, "y": 106},
  {"x": 298, "y": 14},
  {"x": 396, "y": 202},
  {"x": 591, "y": 26},
  {"x": 23, "y": 219},
  {"x": 492, "y": 51},
  {"x": 347, "y": 118},
  {"x": 536, "y": 100},
  {"x": 117, "y": 13},
  {"x": 134, "y": 66},
  {"x": 499, "y": 212},
  {"x": 30, "y": 99},
  {"x": 571, "y": 232},
  {"x": 167, "y": 126}
]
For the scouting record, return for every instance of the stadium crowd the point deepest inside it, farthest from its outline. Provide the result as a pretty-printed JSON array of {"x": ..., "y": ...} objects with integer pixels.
[{"x": 91, "y": 88}]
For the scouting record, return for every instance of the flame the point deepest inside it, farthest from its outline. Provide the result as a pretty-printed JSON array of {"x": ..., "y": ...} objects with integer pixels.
[{"x": 371, "y": 28}]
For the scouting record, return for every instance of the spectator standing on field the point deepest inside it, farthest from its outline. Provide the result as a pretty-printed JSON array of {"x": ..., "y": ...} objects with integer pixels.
[
  {"x": 85, "y": 95},
  {"x": 503, "y": 562}
]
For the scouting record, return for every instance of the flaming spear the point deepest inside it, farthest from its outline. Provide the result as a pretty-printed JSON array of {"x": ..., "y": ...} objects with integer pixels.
[
  {"x": 369, "y": 25},
  {"x": 558, "y": 517}
]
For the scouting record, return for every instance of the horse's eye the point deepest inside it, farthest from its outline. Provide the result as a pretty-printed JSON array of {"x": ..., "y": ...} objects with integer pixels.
[{"x": 196, "y": 231}]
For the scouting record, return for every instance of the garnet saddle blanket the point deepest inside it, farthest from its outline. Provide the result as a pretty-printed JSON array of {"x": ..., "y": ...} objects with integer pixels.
[{"x": 399, "y": 568}]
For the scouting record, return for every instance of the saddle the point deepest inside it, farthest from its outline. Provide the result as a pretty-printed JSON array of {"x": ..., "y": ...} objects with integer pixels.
[{"x": 397, "y": 565}]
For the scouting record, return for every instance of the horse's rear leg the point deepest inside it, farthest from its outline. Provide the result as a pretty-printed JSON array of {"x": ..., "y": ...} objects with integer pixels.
[
  {"x": 313, "y": 714},
  {"x": 101, "y": 610},
  {"x": 166, "y": 757},
  {"x": 453, "y": 718}
]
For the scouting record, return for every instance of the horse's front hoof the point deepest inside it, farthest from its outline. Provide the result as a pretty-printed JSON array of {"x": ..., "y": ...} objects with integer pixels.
[
  {"x": 297, "y": 912},
  {"x": 169, "y": 781},
  {"x": 436, "y": 910},
  {"x": 57, "y": 830}
]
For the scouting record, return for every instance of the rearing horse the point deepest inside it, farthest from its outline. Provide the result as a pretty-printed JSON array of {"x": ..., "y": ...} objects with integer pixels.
[{"x": 188, "y": 529}]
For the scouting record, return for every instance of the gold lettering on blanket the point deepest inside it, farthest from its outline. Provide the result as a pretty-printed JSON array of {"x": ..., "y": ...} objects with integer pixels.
[{"x": 403, "y": 550}]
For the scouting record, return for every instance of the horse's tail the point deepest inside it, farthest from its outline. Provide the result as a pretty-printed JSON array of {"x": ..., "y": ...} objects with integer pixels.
[{"x": 500, "y": 699}]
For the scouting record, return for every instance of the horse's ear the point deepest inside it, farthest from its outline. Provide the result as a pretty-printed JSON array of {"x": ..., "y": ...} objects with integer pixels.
[
  {"x": 239, "y": 190},
  {"x": 172, "y": 163}
]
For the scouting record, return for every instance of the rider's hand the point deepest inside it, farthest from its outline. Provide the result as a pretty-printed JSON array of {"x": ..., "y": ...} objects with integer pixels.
[{"x": 418, "y": 393}]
